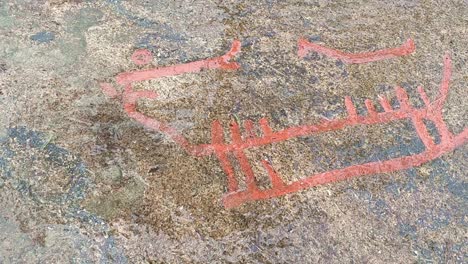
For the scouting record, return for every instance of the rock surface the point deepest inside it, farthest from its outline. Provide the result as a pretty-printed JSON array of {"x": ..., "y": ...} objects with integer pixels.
[{"x": 82, "y": 182}]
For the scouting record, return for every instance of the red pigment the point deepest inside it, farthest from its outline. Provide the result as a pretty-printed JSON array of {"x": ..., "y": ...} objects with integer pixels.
[
  {"x": 304, "y": 47},
  {"x": 239, "y": 144}
]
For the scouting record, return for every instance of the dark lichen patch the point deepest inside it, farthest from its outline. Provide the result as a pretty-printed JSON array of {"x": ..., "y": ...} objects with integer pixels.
[
  {"x": 41, "y": 170},
  {"x": 60, "y": 2},
  {"x": 43, "y": 37},
  {"x": 118, "y": 201},
  {"x": 3, "y": 67}
]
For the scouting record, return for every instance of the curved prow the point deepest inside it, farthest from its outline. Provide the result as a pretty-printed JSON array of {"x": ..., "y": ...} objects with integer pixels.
[
  {"x": 129, "y": 97},
  {"x": 435, "y": 109}
]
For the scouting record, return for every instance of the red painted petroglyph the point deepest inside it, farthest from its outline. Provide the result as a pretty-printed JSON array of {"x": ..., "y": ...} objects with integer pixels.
[
  {"x": 239, "y": 144},
  {"x": 304, "y": 47}
]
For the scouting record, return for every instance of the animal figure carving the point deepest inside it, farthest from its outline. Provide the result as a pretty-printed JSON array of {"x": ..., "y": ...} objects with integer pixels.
[{"x": 239, "y": 144}]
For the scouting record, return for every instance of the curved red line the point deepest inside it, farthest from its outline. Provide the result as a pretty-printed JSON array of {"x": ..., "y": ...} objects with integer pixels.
[
  {"x": 179, "y": 139},
  {"x": 304, "y": 47}
]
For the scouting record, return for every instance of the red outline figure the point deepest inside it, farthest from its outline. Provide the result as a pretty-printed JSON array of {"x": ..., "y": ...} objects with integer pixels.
[
  {"x": 239, "y": 144},
  {"x": 304, "y": 46}
]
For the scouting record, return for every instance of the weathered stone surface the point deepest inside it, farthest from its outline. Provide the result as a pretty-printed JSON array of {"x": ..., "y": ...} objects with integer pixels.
[{"x": 81, "y": 181}]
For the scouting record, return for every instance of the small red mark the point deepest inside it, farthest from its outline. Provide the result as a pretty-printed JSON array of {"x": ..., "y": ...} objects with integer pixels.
[
  {"x": 250, "y": 128},
  {"x": 370, "y": 108},
  {"x": 304, "y": 47},
  {"x": 275, "y": 179},
  {"x": 108, "y": 90},
  {"x": 385, "y": 104},
  {"x": 423, "y": 95},
  {"x": 352, "y": 113},
  {"x": 239, "y": 144},
  {"x": 142, "y": 57}
]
